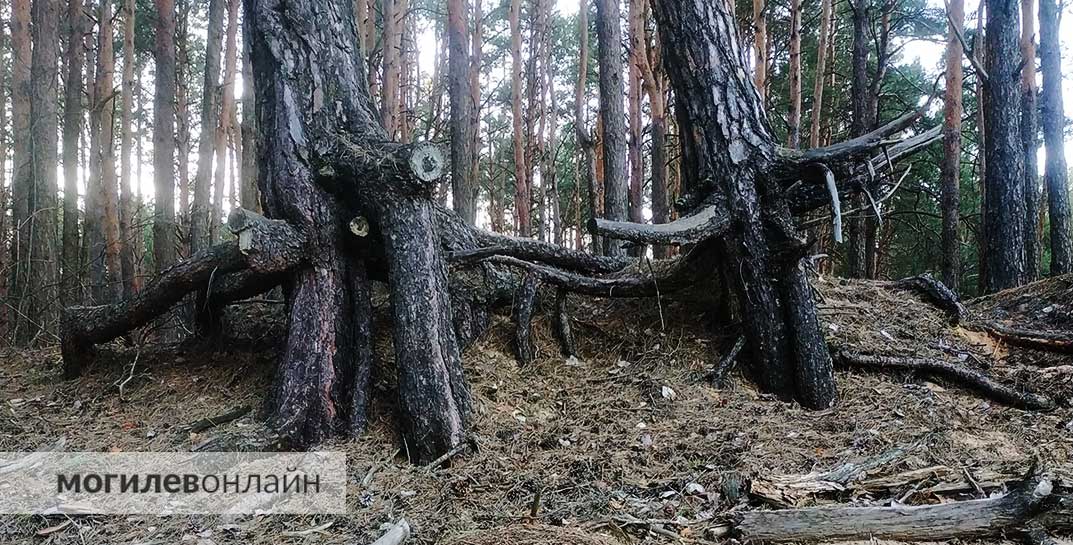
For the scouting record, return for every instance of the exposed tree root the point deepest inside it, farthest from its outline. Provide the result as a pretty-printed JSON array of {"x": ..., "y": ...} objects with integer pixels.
[
  {"x": 524, "y": 305},
  {"x": 720, "y": 375},
  {"x": 1031, "y": 503},
  {"x": 1029, "y": 338},
  {"x": 955, "y": 373},
  {"x": 936, "y": 292},
  {"x": 563, "y": 332},
  {"x": 268, "y": 246}
]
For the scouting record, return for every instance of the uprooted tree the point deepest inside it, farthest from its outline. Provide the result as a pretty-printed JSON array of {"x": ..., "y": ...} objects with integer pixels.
[{"x": 345, "y": 206}]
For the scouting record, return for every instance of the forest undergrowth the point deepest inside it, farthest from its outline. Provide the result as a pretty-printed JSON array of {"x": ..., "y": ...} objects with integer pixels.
[{"x": 627, "y": 443}]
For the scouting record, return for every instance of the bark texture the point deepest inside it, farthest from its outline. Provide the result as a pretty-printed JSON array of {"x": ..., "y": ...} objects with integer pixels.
[
  {"x": 164, "y": 137},
  {"x": 1004, "y": 191},
  {"x": 1055, "y": 171},
  {"x": 321, "y": 135},
  {"x": 615, "y": 181},
  {"x": 200, "y": 212},
  {"x": 733, "y": 147},
  {"x": 1030, "y": 139},
  {"x": 72, "y": 129},
  {"x": 463, "y": 184},
  {"x": 950, "y": 172}
]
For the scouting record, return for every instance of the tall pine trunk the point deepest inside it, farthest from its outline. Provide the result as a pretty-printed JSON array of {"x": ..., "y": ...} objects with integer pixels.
[
  {"x": 108, "y": 193},
  {"x": 1030, "y": 139},
  {"x": 522, "y": 220},
  {"x": 164, "y": 137},
  {"x": 127, "y": 231},
  {"x": 223, "y": 128},
  {"x": 856, "y": 253},
  {"x": 760, "y": 47},
  {"x": 793, "y": 139},
  {"x": 637, "y": 163},
  {"x": 39, "y": 237},
  {"x": 586, "y": 170},
  {"x": 820, "y": 74},
  {"x": 1055, "y": 172},
  {"x": 72, "y": 130},
  {"x": 249, "y": 197},
  {"x": 615, "y": 183},
  {"x": 951, "y": 165},
  {"x": 463, "y": 184},
  {"x": 200, "y": 217},
  {"x": 1005, "y": 191}
]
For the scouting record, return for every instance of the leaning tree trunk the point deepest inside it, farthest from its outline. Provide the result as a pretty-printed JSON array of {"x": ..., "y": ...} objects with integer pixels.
[
  {"x": 732, "y": 143},
  {"x": 321, "y": 141}
]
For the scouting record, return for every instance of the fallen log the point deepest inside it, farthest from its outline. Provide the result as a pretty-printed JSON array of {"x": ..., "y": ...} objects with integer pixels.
[
  {"x": 792, "y": 490},
  {"x": 1031, "y": 501},
  {"x": 958, "y": 374}
]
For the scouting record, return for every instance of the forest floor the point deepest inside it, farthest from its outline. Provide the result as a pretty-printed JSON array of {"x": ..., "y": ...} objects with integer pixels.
[{"x": 627, "y": 443}]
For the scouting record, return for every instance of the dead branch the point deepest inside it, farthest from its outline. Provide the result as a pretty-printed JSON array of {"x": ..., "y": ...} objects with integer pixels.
[
  {"x": 623, "y": 285},
  {"x": 709, "y": 222},
  {"x": 860, "y": 145},
  {"x": 1028, "y": 502}
]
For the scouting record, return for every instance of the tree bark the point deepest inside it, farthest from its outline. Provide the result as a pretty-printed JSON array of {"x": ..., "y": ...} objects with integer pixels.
[
  {"x": 463, "y": 184},
  {"x": 586, "y": 167},
  {"x": 522, "y": 222},
  {"x": 249, "y": 197},
  {"x": 655, "y": 86},
  {"x": 615, "y": 183},
  {"x": 1030, "y": 139},
  {"x": 950, "y": 170},
  {"x": 303, "y": 61},
  {"x": 164, "y": 137},
  {"x": 856, "y": 244},
  {"x": 637, "y": 164},
  {"x": 39, "y": 237},
  {"x": 760, "y": 47},
  {"x": 70, "y": 290},
  {"x": 109, "y": 197},
  {"x": 391, "y": 38},
  {"x": 200, "y": 217},
  {"x": 820, "y": 74},
  {"x": 1053, "y": 117},
  {"x": 20, "y": 179},
  {"x": 127, "y": 233},
  {"x": 979, "y": 51},
  {"x": 223, "y": 127},
  {"x": 1005, "y": 191},
  {"x": 793, "y": 139},
  {"x": 734, "y": 146}
]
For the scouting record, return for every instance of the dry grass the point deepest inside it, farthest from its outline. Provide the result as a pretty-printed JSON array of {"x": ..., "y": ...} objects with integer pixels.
[{"x": 628, "y": 431}]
